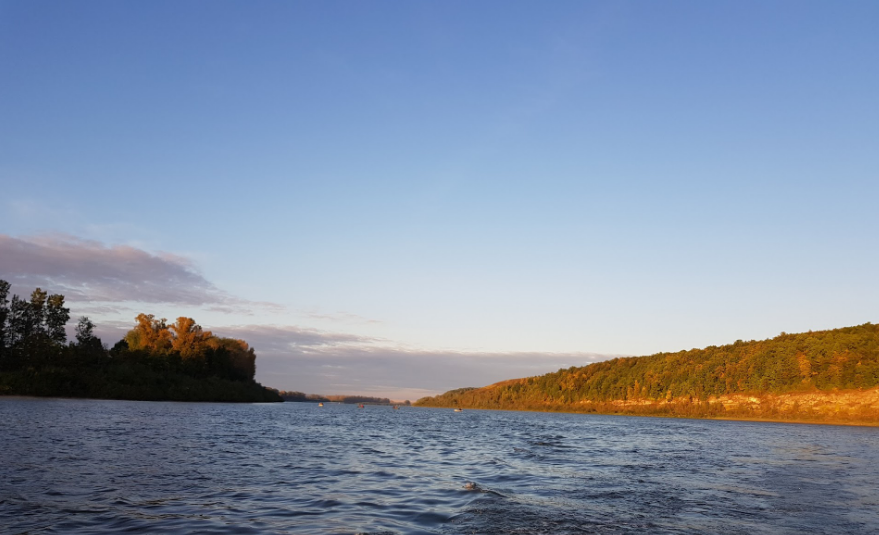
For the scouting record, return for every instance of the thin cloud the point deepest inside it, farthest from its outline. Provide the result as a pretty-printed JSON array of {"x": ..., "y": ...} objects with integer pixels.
[
  {"x": 100, "y": 310},
  {"x": 347, "y": 317},
  {"x": 322, "y": 362},
  {"x": 289, "y": 339},
  {"x": 89, "y": 271},
  {"x": 389, "y": 372}
]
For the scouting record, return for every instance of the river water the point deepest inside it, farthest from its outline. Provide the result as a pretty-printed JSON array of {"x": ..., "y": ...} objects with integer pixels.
[{"x": 86, "y": 466}]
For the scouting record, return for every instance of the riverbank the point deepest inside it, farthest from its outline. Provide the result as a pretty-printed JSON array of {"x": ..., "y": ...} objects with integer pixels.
[{"x": 848, "y": 407}]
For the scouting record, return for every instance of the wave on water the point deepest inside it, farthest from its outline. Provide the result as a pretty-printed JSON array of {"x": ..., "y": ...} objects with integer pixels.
[{"x": 85, "y": 466}]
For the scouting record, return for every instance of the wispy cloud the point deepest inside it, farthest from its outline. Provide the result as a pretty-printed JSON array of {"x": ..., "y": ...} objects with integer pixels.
[
  {"x": 89, "y": 271},
  {"x": 287, "y": 339},
  {"x": 346, "y": 317}
]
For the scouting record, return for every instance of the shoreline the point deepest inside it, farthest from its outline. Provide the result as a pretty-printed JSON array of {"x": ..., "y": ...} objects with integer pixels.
[
  {"x": 30, "y": 397},
  {"x": 630, "y": 415},
  {"x": 669, "y": 416}
]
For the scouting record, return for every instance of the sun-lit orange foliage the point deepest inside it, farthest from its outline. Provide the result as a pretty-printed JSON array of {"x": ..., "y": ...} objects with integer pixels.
[
  {"x": 150, "y": 334},
  {"x": 193, "y": 344},
  {"x": 189, "y": 338}
]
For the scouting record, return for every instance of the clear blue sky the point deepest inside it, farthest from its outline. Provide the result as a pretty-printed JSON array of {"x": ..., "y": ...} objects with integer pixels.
[{"x": 412, "y": 183}]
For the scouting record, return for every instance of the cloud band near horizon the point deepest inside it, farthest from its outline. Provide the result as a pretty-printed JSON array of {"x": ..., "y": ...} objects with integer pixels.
[
  {"x": 319, "y": 362},
  {"x": 290, "y": 357}
]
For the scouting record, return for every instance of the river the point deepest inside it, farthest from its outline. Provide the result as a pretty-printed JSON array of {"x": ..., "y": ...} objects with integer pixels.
[{"x": 88, "y": 466}]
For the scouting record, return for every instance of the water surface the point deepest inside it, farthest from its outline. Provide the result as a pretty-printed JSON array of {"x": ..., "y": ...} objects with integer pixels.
[{"x": 86, "y": 466}]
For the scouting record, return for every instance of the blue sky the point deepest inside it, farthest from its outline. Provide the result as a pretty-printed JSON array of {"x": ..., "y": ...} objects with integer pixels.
[{"x": 490, "y": 189}]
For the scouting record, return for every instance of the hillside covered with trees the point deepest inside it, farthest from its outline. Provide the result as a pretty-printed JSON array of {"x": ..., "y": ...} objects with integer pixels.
[
  {"x": 792, "y": 376},
  {"x": 155, "y": 360}
]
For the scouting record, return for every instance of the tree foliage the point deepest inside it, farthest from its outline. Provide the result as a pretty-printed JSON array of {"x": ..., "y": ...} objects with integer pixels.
[
  {"x": 154, "y": 360},
  {"x": 839, "y": 359},
  {"x": 201, "y": 351},
  {"x": 4, "y": 317},
  {"x": 31, "y": 329},
  {"x": 150, "y": 334}
]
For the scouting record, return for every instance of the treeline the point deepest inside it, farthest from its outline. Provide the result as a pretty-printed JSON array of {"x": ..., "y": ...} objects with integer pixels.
[
  {"x": 154, "y": 361},
  {"x": 822, "y": 361},
  {"x": 185, "y": 346},
  {"x": 349, "y": 399}
]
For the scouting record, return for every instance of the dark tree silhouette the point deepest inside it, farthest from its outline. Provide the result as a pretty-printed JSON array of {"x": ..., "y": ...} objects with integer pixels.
[
  {"x": 56, "y": 317},
  {"x": 155, "y": 361},
  {"x": 86, "y": 340},
  {"x": 4, "y": 316}
]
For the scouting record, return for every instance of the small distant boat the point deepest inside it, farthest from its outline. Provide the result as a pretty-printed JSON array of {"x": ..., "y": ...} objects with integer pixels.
[
  {"x": 320, "y": 404},
  {"x": 360, "y": 406},
  {"x": 459, "y": 410}
]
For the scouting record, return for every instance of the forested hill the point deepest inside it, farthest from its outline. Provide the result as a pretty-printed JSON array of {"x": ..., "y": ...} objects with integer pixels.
[{"x": 808, "y": 363}]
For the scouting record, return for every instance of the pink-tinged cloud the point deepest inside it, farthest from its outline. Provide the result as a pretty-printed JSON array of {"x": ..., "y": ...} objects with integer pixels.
[
  {"x": 89, "y": 271},
  {"x": 321, "y": 362},
  {"x": 284, "y": 339}
]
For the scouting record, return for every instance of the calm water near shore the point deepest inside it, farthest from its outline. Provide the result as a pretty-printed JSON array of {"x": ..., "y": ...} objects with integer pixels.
[{"x": 85, "y": 466}]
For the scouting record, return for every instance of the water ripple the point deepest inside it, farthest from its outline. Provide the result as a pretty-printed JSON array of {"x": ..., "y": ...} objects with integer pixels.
[{"x": 81, "y": 466}]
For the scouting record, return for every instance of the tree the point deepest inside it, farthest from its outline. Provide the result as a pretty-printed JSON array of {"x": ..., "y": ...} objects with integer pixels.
[
  {"x": 149, "y": 334},
  {"x": 4, "y": 316},
  {"x": 38, "y": 321},
  {"x": 36, "y": 316},
  {"x": 85, "y": 330},
  {"x": 18, "y": 324},
  {"x": 85, "y": 337},
  {"x": 56, "y": 318},
  {"x": 189, "y": 338},
  {"x": 237, "y": 354}
]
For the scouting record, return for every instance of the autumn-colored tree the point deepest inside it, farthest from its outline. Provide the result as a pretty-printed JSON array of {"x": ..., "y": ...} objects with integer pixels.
[
  {"x": 189, "y": 338},
  {"x": 204, "y": 352},
  {"x": 154, "y": 361},
  {"x": 838, "y": 359},
  {"x": 150, "y": 334}
]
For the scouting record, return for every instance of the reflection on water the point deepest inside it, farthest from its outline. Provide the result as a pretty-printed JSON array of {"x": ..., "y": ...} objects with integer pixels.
[{"x": 109, "y": 466}]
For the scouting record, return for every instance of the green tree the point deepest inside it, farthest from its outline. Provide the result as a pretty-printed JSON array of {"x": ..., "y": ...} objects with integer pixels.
[
  {"x": 18, "y": 323},
  {"x": 36, "y": 316},
  {"x": 86, "y": 340},
  {"x": 236, "y": 355},
  {"x": 56, "y": 318}
]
